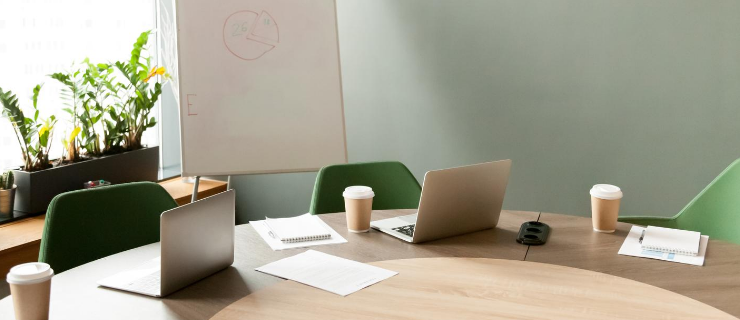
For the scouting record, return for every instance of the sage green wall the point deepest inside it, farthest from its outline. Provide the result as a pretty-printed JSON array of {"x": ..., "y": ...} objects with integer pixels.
[{"x": 641, "y": 94}]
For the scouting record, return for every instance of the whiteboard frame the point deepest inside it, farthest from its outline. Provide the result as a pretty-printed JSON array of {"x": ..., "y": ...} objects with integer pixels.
[{"x": 249, "y": 172}]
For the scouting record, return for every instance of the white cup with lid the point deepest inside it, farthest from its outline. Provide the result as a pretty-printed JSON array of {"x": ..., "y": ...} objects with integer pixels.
[
  {"x": 605, "y": 200},
  {"x": 30, "y": 289},
  {"x": 358, "y": 192},
  {"x": 358, "y": 205},
  {"x": 606, "y": 192}
]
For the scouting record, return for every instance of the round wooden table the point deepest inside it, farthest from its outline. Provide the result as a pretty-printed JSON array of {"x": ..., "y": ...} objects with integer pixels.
[
  {"x": 474, "y": 288},
  {"x": 572, "y": 243}
]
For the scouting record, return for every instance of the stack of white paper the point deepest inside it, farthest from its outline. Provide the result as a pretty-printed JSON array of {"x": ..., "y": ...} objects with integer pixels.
[
  {"x": 327, "y": 272},
  {"x": 276, "y": 244},
  {"x": 671, "y": 240},
  {"x": 632, "y": 247},
  {"x": 298, "y": 229}
]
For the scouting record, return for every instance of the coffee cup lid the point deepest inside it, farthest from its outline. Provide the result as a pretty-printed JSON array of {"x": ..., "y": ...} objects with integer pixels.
[
  {"x": 358, "y": 192},
  {"x": 606, "y": 192},
  {"x": 29, "y": 273}
]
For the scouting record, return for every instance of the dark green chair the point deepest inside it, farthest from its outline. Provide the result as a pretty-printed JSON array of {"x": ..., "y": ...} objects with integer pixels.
[
  {"x": 394, "y": 186},
  {"x": 715, "y": 211},
  {"x": 86, "y": 225}
]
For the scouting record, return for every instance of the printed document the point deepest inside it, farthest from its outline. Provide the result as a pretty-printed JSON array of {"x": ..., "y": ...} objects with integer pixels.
[{"x": 327, "y": 272}]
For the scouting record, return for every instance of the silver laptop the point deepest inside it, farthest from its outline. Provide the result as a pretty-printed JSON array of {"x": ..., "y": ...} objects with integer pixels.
[
  {"x": 453, "y": 201},
  {"x": 196, "y": 240}
]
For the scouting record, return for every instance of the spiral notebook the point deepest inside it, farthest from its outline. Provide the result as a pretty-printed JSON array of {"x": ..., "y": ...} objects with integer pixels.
[
  {"x": 671, "y": 240},
  {"x": 298, "y": 229}
]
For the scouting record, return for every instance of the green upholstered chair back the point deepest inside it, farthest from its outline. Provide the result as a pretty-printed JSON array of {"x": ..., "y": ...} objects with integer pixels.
[
  {"x": 715, "y": 211},
  {"x": 85, "y": 225},
  {"x": 394, "y": 186}
]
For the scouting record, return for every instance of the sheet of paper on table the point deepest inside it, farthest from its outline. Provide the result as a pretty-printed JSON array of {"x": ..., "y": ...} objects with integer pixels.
[
  {"x": 632, "y": 247},
  {"x": 276, "y": 244},
  {"x": 327, "y": 272}
]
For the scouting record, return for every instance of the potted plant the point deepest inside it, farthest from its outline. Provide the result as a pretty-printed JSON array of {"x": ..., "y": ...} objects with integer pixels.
[
  {"x": 33, "y": 134},
  {"x": 7, "y": 193},
  {"x": 109, "y": 106}
]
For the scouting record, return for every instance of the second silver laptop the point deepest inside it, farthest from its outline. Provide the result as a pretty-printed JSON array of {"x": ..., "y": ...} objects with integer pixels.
[{"x": 453, "y": 201}]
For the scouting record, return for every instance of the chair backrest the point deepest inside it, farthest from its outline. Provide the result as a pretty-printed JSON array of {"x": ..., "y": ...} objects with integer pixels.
[
  {"x": 716, "y": 210},
  {"x": 394, "y": 186},
  {"x": 85, "y": 225}
]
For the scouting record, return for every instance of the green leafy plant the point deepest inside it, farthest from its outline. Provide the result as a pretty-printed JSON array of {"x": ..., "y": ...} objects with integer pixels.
[
  {"x": 98, "y": 101},
  {"x": 34, "y": 135},
  {"x": 74, "y": 97},
  {"x": 107, "y": 116},
  {"x": 89, "y": 92},
  {"x": 7, "y": 180},
  {"x": 138, "y": 98},
  {"x": 115, "y": 127},
  {"x": 103, "y": 89},
  {"x": 96, "y": 79}
]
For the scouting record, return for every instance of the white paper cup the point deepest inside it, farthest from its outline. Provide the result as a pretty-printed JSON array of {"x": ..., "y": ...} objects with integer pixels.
[
  {"x": 605, "y": 199},
  {"x": 358, "y": 205},
  {"x": 30, "y": 289}
]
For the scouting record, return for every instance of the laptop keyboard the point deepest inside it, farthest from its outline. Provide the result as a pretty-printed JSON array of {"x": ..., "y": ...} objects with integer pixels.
[
  {"x": 407, "y": 230},
  {"x": 149, "y": 283}
]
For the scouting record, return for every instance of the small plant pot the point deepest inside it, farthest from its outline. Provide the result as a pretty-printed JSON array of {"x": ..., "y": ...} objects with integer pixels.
[{"x": 7, "y": 201}]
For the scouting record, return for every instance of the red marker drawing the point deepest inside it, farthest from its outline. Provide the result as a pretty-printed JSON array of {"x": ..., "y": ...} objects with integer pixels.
[{"x": 187, "y": 97}]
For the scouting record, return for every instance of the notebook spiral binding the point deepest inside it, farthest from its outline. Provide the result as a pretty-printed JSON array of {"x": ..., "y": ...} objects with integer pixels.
[
  {"x": 309, "y": 238},
  {"x": 670, "y": 250}
]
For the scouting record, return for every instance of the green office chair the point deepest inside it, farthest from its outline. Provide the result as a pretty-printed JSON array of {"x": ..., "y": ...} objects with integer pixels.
[
  {"x": 86, "y": 225},
  {"x": 394, "y": 186},
  {"x": 714, "y": 212}
]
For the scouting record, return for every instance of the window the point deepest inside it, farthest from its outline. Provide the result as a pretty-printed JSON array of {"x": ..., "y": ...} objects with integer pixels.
[{"x": 40, "y": 37}]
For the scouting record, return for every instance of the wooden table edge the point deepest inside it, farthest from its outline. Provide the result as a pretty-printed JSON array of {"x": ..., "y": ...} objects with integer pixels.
[{"x": 383, "y": 264}]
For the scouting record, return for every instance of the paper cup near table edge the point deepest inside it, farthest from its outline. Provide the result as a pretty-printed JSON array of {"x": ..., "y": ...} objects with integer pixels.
[
  {"x": 30, "y": 291},
  {"x": 356, "y": 200},
  {"x": 605, "y": 197}
]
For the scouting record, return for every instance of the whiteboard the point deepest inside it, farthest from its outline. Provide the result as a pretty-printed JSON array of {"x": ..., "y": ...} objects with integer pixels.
[{"x": 258, "y": 82}]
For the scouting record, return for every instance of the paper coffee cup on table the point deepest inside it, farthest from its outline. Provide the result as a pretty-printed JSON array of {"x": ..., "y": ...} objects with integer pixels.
[
  {"x": 605, "y": 200},
  {"x": 30, "y": 288},
  {"x": 358, "y": 203}
]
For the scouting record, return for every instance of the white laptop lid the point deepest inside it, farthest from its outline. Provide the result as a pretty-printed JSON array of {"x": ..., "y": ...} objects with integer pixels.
[
  {"x": 197, "y": 240},
  {"x": 460, "y": 200}
]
